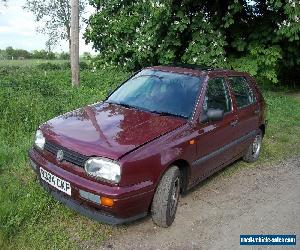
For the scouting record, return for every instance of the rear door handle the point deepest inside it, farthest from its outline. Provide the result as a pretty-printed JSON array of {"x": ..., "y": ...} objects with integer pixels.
[{"x": 234, "y": 123}]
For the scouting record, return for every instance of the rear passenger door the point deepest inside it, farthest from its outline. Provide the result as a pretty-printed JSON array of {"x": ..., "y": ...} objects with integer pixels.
[{"x": 247, "y": 110}]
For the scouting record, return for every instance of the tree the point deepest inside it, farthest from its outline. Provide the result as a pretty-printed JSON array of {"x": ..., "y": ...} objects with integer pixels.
[
  {"x": 55, "y": 18},
  {"x": 86, "y": 55},
  {"x": 4, "y": 3},
  {"x": 11, "y": 53},
  {"x": 260, "y": 36},
  {"x": 42, "y": 54},
  {"x": 75, "y": 42},
  {"x": 64, "y": 56}
]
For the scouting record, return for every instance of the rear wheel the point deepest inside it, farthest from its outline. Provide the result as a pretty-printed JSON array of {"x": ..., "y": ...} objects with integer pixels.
[
  {"x": 253, "y": 151},
  {"x": 166, "y": 198}
]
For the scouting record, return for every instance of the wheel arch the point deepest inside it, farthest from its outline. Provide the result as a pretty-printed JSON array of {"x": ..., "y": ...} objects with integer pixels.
[
  {"x": 185, "y": 171},
  {"x": 262, "y": 127}
]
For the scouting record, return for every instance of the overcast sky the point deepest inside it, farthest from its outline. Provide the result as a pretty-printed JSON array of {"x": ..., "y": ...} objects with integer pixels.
[{"x": 18, "y": 29}]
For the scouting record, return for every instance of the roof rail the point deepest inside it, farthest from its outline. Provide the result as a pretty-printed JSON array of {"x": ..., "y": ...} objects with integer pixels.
[{"x": 190, "y": 66}]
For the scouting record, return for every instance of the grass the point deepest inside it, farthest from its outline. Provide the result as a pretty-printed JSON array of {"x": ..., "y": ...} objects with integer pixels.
[
  {"x": 28, "y": 62},
  {"x": 29, "y": 217},
  {"x": 282, "y": 138}
]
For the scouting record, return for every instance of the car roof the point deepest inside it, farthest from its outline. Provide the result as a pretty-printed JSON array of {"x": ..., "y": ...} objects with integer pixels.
[{"x": 196, "y": 70}]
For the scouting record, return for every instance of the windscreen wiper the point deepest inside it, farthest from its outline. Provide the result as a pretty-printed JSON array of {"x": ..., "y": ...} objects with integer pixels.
[
  {"x": 163, "y": 113},
  {"x": 120, "y": 103},
  {"x": 124, "y": 105},
  {"x": 127, "y": 105}
]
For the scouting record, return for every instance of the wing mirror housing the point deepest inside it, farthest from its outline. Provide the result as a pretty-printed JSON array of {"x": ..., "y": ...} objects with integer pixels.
[{"x": 212, "y": 115}]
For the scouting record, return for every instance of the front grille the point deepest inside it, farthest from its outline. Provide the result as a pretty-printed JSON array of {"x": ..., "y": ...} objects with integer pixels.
[{"x": 69, "y": 155}]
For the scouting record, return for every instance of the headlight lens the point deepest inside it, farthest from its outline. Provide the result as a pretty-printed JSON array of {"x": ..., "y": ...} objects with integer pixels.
[
  {"x": 39, "y": 139},
  {"x": 103, "y": 168}
]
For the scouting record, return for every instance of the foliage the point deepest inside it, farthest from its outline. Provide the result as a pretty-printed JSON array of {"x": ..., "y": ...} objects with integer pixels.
[
  {"x": 20, "y": 54},
  {"x": 64, "y": 56},
  {"x": 87, "y": 55},
  {"x": 61, "y": 66},
  {"x": 11, "y": 53},
  {"x": 55, "y": 18},
  {"x": 258, "y": 36},
  {"x": 30, "y": 218},
  {"x": 48, "y": 66},
  {"x": 42, "y": 54},
  {"x": 3, "y": 2},
  {"x": 259, "y": 62}
]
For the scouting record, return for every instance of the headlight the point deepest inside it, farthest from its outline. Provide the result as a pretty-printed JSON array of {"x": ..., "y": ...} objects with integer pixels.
[
  {"x": 104, "y": 169},
  {"x": 39, "y": 139}
]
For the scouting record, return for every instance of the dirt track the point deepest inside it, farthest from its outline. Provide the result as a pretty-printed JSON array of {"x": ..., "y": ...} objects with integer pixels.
[{"x": 260, "y": 200}]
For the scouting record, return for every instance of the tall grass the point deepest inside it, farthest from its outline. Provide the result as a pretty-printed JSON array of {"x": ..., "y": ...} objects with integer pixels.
[{"x": 29, "y": 217}]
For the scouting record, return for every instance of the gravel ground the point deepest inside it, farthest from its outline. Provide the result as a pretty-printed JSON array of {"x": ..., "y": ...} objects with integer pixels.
[{"x": 254, "y": 200}]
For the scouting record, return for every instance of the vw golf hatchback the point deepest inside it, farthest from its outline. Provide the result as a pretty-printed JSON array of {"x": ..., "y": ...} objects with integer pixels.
[{"x": 160, "y": 133}]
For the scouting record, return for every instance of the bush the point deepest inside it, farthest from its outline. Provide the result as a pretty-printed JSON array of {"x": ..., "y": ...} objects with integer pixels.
[
  {"x": 83, "y": 66},
  {"x": 61, "y": 66},
  {"x": 65, "y": 65},
  {"x": 48, "y": 66}
]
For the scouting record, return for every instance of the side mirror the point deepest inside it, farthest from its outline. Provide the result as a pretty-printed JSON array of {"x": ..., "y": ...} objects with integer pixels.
[{"x": 212, "y": 115}]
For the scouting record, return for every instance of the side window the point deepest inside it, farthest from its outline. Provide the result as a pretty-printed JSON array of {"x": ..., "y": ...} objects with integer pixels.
[
  {"x": 242, "y": 91},
  {"x": 217, "y": 96}
]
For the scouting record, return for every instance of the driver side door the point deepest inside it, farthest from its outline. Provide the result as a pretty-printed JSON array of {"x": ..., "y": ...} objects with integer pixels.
[{"x": 215, "y": 140}]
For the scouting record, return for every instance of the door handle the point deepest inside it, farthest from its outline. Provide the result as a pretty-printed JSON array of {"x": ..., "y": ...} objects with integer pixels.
[{"x": 234, "y": 123}]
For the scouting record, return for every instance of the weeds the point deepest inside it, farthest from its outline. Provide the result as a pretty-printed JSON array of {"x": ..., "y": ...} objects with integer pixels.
[{"x": 29, "y": 217}]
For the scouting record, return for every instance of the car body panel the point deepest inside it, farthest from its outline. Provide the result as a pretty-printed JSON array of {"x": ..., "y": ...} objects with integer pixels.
[
  {"x": 126, "y": 199},
  {"x": 107, "y": 130},
  {"x": 155, "y": 157}
]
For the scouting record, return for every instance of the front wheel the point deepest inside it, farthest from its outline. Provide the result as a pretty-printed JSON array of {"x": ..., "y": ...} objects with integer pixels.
[
  {"x": 253, "y": 151},
  {"x": 166, "y": 198}
]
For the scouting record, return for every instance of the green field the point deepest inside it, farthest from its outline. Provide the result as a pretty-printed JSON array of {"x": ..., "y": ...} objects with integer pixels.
[
  {"x": 29, "y": 217},
  {"x": 28, "y": 62}
]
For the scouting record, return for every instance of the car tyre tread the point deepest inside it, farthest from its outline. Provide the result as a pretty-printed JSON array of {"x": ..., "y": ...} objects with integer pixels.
[{"x": 162, "y": 196}]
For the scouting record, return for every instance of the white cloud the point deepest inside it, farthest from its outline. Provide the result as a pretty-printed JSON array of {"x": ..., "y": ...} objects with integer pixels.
[{"x": 18, "y": 29}]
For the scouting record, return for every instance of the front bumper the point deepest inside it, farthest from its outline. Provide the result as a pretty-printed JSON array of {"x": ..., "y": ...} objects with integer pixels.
[
  {"x": 130, "y": 203},
  {"x": 87, "y": 211}
]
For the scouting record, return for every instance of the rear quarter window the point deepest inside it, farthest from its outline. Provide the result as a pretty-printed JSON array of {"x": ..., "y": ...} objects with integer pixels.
[
  {"x": 242, "y": 91},
  {"x": 217, "y": 96}
]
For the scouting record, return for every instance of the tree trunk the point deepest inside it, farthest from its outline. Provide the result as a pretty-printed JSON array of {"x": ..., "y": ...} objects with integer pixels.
[
  {"x": 75, "y": 42},
  {"x": 70, "y": 46},
  {"x": 68, "y": 29}
]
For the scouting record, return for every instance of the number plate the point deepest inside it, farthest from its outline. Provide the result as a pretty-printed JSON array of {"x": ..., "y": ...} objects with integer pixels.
[{"x": 55, "y": 181}]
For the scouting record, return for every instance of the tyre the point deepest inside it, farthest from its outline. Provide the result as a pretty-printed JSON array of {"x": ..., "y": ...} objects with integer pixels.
[
  {"x": 253, "y": 151},
  {"x": 166, "y": 198}
]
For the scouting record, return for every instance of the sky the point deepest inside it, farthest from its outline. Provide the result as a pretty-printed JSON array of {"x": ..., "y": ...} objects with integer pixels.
[{"x": 18, "y": 29}]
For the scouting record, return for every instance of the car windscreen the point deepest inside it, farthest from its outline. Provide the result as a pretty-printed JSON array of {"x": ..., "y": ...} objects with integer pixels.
[{"x": 160, "y": 92}]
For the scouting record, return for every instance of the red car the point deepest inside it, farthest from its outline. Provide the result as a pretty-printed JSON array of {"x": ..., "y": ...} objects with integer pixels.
[{"x": 160, "y": 133}]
